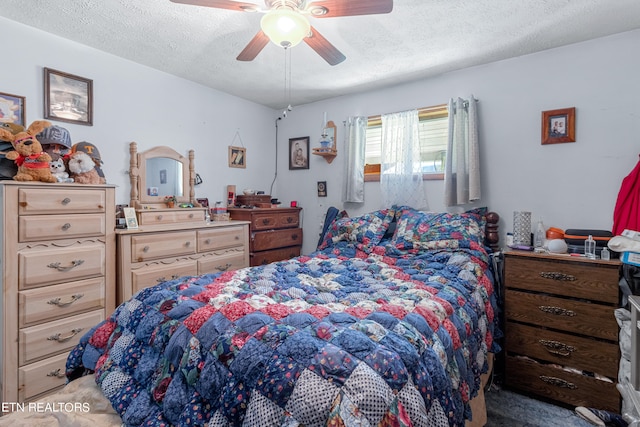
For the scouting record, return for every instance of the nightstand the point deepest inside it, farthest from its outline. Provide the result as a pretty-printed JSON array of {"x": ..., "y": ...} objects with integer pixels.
[{"x": 561, "y": 335}]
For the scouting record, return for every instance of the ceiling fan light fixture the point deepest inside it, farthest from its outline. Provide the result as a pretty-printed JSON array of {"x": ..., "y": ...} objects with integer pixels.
[{"x": 284, "y": 27}]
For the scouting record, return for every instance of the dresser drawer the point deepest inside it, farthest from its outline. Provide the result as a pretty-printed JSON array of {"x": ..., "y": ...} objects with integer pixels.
[
  {"x": 43, "y": 227},
  {"x": 162, "y": 245},
  {"x": 568, "y": 315},
  {"x": 265, "y": 240},
  {"x": 60, "y": 201},
  {"x": 585, "y": 279},
  {"x": 41, "y": 377},
  {"x": 275, "y": 219},
  {"x": 56, "y": 301},
  {"x": 558, "y": 384},
  {"x": 223, "y": 260},
  {"x": 156, "y": 273},
  {"x": 40, "y": 341},
  {"x": 564, "y": 349},
  {"x": 170, "y": 216},
  {"x": 38, "y": 267},
  {"x": 267, "y": 257},
  {"x": 218, "y": 238}
]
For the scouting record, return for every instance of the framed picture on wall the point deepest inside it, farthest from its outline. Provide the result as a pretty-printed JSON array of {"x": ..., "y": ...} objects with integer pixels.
[
  {"x": 68, "y": 98},
  {"x": 299, "y": 153},
  {"x": 559, "y": 126},
  {"x": 237, "y": 157},
  {"x": 12, "y": 109}
]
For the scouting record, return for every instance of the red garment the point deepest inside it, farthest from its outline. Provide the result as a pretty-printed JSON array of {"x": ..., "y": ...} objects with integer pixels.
[{"x": 626, "y": 214}]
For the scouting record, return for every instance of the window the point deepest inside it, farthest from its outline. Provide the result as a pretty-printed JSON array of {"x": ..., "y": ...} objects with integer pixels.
[{"x": 433, "y": 129}]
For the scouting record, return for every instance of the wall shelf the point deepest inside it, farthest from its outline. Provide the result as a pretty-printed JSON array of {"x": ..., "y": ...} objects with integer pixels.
[{"x": 328, "y": 155}]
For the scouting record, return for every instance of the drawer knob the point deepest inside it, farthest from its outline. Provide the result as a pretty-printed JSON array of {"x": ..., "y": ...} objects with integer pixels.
[
  {"x": 145, "y": 249},
  {"x": 294, "y": 237},
  {"x": 159, "y": 217},
  {"x": 265, "y": 221},
  {"x": 190, "y": 216},
  {"x": 161, "y": 279},
  {"x": 557, "y": 348},
  {"x": 60, "y": 338},
  {"x": 554, "y": 275},
  {"x": 66, "y": 226},
  {"x": 225, "y": 267},
  {"x": 187, "y": 243},
  {"x": 207, "y": 242},
  {"x": 558, "y": 382},
  {"x": 58, "y": 301},
  {"x": 57, "y": 373},
  {"x": 66, "y": 201},
  {"x": 289, "y": 219},
  {"x": 558, "y": 311},
  {"x": 58, "y": 267}
]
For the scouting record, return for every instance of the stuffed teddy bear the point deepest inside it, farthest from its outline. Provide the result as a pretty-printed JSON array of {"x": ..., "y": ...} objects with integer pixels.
[
  {"x": 33, "y": 163},
  {"x": 59, "y": 170},
  {"x": 83, "y": 170}
]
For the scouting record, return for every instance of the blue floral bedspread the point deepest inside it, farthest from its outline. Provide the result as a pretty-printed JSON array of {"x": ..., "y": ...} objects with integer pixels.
[{"x": 342, "y": 336}]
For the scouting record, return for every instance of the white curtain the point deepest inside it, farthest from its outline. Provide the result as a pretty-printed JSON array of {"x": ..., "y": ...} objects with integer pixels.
[
  {"x": 400, "y": 169},
  {"x": 462, "y": 169},
  {"x": 355, "y": 143}
]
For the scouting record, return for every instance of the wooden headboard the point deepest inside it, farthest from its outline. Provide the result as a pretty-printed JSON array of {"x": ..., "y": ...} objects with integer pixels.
[{"x": 491, "y": 234}]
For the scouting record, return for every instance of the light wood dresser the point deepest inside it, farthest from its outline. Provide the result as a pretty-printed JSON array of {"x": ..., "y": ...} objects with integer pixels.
[
  {"x": 154, "y": 253},
  {"x": 275, "y": 232},
  {"x": 58, "y": 277},
  {"x": 561, "y": 335}
]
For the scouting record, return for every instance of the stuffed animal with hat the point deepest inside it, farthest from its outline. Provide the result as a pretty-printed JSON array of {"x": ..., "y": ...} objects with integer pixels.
[
  {"x": 93, "y": 152},
  {"x": 33, "y": 163},
  {"x": 55, "y": 140},
  {"x": 83, "y": 170}
]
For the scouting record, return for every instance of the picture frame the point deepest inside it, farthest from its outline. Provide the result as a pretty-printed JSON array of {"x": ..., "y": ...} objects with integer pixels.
[
  {"x": 237, "y": 157},
  {"x": 299, "y": 153},
  {"x": 322, "y": 188},
  {"x": 559, "y": 126},
  {"x": 12, "y": 109},
  {"x": 68, "y": 98},
  {"x": 130, "y": 217}
]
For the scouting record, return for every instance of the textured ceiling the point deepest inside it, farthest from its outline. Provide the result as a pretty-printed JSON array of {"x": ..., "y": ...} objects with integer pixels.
[{"x": 419, "y": 38}]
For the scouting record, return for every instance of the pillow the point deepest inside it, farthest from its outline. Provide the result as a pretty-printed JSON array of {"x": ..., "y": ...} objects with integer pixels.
[
  {"x": 429, "y": 230},
  {"x": 367, "y": 230}
]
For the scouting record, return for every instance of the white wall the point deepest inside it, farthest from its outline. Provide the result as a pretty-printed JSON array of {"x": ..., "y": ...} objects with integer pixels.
[
  {"x": 572, "y": 185},
  {"x": 137, "y": 103}
]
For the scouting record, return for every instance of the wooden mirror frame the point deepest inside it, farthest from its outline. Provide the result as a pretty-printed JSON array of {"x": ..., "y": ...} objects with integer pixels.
[{"x": 139, "y": 199}]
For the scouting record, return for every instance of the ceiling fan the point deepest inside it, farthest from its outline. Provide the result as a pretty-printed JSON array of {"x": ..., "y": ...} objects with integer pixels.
[{"x": 285, "y": 22}]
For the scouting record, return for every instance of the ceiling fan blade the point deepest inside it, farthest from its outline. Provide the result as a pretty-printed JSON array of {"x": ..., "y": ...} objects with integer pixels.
[
  {"x": 323, "y": 48},
  {"x": 221, "y": 4},
  {"x": 255, "y": 46},
  {"x": 333, "y": 8}
]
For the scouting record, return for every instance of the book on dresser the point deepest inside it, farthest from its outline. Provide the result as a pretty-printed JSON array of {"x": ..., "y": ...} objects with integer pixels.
[{"x": 561, "y": 335}]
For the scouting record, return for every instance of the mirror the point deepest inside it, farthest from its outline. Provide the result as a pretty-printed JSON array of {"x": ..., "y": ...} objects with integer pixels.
[{"x": 160, "y": 172}]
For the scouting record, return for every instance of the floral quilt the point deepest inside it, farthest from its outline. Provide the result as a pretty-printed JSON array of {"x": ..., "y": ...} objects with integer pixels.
[{"x": 345, "y": 337}]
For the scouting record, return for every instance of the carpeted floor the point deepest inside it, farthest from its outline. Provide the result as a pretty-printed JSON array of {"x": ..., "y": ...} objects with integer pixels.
[{"x": 508, "y": 409}]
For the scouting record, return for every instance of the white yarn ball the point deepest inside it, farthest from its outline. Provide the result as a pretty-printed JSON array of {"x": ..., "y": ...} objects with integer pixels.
[{"x": 557, "y": 246}]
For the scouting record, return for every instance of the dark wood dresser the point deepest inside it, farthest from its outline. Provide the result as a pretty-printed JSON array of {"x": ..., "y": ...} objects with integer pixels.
[
  {"x": 275, "y": 233},
  {"x": 561, "y": 335}
]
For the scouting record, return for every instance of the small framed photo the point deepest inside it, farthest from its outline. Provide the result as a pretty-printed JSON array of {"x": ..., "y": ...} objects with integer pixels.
[
  {"x": 68, "y": 98},
  {"x": 322, "y": 188},
  {"x": 12, "y": 109},
  {"x": 559, "y": 126},
  {"x": 237, "y": 157},
  {"x": 130, "y": 217},
  {"x": 299, "y": 153}
]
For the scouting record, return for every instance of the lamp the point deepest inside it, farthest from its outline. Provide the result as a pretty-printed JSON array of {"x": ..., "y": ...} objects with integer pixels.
[{"x": 285, "y": 27}]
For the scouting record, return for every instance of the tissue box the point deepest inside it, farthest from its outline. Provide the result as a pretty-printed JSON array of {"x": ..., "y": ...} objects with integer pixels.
[{"x": 632, "y": 258}]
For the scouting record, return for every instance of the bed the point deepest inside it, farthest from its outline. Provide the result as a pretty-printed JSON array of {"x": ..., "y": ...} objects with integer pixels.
[{"x": 389, "y": 323}]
